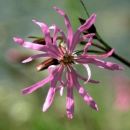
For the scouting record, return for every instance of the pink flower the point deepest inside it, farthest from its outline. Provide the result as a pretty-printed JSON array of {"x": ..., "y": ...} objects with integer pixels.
[{"x": 64, "y": 75}]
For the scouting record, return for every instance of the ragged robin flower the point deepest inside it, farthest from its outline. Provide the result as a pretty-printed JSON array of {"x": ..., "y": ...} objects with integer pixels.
[{"x": 62, "y": 73}]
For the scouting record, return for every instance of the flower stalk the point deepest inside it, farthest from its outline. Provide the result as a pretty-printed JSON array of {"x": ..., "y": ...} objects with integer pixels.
[
  {"x": 104, "y": 45},
  {"x": 59, "y": 49}
]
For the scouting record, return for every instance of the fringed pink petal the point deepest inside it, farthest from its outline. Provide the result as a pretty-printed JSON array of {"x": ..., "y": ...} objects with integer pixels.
[
  {"x": 89, "y": 22},
  {"x": 29, "y": 59},
  {"x": 36, "y": 86},
  {"x": 87, "y": 98},
  {"x": 49, "y": 99},
  {"x": 69, "y": 76},
  {"x": 51, "y": 68},
  {"x": 69, "y": 98},
  {"x": 85, "y": 79},
  {"x": 101, "y": 56},
  {"x": 63, "y": 85},
  {"x": 60, "y": 89},
  {"x": 54, "y": 50},
  {"x": 99, "y": 63},
  {"x": 76, "y": 37},
  {"x": 57, "y": 30},
  {"x": 70, "y": 103},
  {"x": 88, "y": 45},
  {"x": 45, "y": 30},
  {"x": 30, "y": 45},
  {"x": 56, "y": 75},
  {"x": 87, "y": 36},
  {"x": 88, "y": 71},
  {"x": 68, "y": 25}
]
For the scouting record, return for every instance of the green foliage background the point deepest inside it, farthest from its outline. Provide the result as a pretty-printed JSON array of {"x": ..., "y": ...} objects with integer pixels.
[{"x": 19, "y": 112}]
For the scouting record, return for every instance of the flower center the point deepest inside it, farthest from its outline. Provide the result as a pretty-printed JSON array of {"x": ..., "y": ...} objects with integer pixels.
[{"x": 67, "y": 59}]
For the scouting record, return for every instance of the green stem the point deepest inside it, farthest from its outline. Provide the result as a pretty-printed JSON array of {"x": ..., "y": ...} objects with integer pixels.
[
  {"x": 100, "y": 47},
  {"x": 114, "y": 55},
  {"x": 82, "y": 3},
  {"x": 106, "y": 49},
  {"x": 102, "y": 41},
  {"x": 107, "y": 46},
  {"x": 121, "y": 59}
]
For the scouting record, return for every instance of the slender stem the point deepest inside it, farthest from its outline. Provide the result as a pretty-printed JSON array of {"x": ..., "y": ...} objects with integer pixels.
[
  {"x": 115, "y": 55},
  {"x": 82, "y": 3},
  {"x": 102, "y": 41},
  {"x": 107, "y": 46},
  {"x": 100, "y": 47},
  {"x": 121, "y": 59},
  {"x": 97, "y": 34}
]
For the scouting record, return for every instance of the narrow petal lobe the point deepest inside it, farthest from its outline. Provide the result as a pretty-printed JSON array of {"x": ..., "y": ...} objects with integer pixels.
[{"x": 49, "y": 99}]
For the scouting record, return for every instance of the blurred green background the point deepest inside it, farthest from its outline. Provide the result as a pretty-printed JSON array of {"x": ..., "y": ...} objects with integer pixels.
[{"x": 19, "y": 112}]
